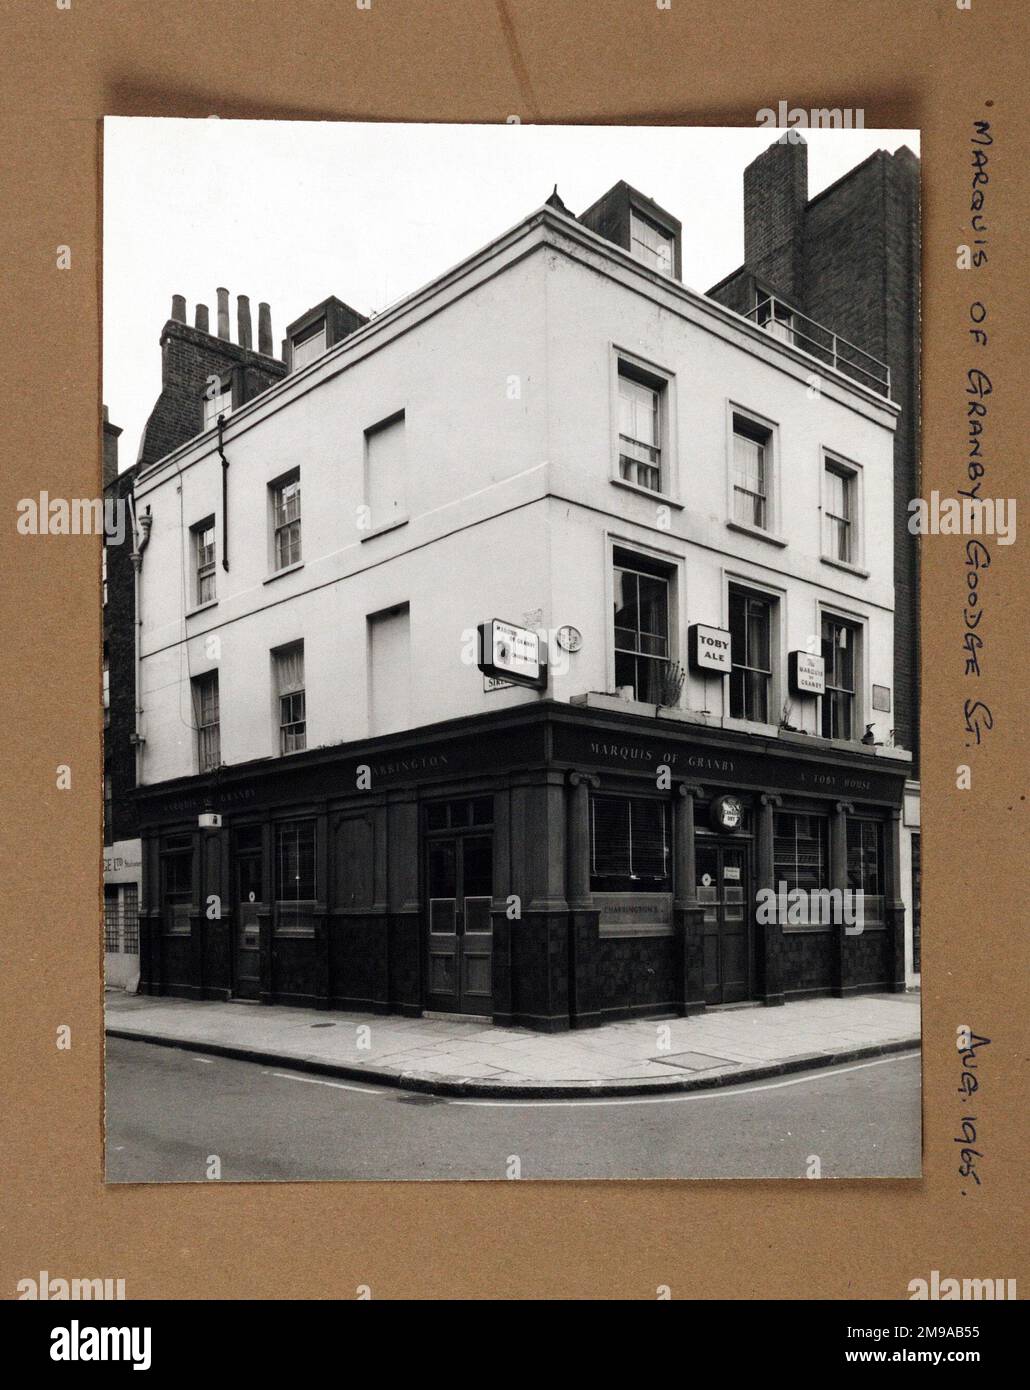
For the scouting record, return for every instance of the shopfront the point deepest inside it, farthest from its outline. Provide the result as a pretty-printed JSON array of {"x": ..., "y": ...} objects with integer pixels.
[{"x": 547, "y": 867}]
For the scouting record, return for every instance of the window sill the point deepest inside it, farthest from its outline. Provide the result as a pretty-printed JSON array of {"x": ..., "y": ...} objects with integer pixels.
[
  {"x": 662, "y": 497},
  {"x": 757, "y": 531},
  {"x": 628, "y": 932},
  {"x": 845, "y": 565},
  {"x": 201, "y": 608},
  {"x": 287, "y": 569},
  {"x": 749, "y": 726},
  {"x": 382, "y": 530}
]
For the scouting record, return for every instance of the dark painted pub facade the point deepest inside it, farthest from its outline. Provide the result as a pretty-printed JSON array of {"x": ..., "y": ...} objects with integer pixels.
[{"x": 548, "y": 866}]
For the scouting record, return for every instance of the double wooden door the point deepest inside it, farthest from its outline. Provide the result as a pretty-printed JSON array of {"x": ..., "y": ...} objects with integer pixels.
[{"x": 459, "y": 939}]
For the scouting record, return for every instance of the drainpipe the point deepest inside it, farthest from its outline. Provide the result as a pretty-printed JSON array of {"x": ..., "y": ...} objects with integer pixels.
[
  {"x": 140, "y": 537},
  {"x": 225, "y": 496}
]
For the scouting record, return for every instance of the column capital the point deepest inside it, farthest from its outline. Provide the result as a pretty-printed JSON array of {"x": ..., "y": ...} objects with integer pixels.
[
  {"x": 690, "y": 789},
  {"x": 771, "y": 799},
  {"x": 588, "y": 779},
  {"x": 843, "y": 807}
]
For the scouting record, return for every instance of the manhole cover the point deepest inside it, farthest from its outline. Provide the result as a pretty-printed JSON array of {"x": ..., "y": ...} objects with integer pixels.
[{"x": 695, "y": 1061}]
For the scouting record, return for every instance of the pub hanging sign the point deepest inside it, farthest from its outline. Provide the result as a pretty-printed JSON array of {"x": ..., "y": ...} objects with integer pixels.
[
  {"x": 807, "y": 674},
  {"x": 511, "y": 653},
  {"x": 708, "y": 650}
]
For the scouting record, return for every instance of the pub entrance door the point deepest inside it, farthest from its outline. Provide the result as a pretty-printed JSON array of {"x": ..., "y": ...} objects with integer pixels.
[
  {"x": 723, "y": 891},
  {"x": 246, "y": 927},
  {"x": 459, "y": 941}
]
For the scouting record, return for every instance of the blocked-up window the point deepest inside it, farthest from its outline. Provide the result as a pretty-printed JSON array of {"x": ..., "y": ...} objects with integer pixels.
[
  {"x": 389, "y": 693},
  {"x": 386, "y": 472}
]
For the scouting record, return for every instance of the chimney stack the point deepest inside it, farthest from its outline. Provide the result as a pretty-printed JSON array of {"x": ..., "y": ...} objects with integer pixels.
[
  {"x": 179, "y": 308},
  {"x": 775, "y": 199},
  {"x": 202, "y": 321},
  {"x": 110, "y": 464},
  {"x": 265, "y": 330},
  {"x": 223, "y": 313},
  {"x": 243, "y": 320}
]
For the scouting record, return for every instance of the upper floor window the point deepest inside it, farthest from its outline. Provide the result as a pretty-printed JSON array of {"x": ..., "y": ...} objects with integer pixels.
[
  {"x": 839, "y": 512},
  {"x": 286, "y": 520},
  {"x": 309, "y": 344},
  {"x": 839, "y": 643},
  {"x": 651, "y": 244},
  {"x": 751, "y": 655},
  {"x": 752, "y": 450},
  {"x": 640, "y": 428},
  {"x": 641, "y": 620},
  {"x": 103, "y": 570},
  {"x": 204, "y": 560},
  {"x": 288, "y": 664},
  {"x": 205, "y": 708},
  {"x": 107, "y": 690},
  {"x": 217, "y": 400}
]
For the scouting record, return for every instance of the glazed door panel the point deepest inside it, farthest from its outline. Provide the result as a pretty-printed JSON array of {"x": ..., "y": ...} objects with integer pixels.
[
  {"x": 459, "y": 950},
  {"x": 247, "y": 927},
  {"x": 723, "y": 891}
]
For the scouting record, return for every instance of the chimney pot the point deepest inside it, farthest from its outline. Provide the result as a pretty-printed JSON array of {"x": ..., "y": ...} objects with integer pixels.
[
  {"x": 223, "y": 313},
  {"x": 243, "y": 320},
  {"x": 203, "y": 322},
  {"x": 179, "y": 308},
  {"x": 265, "y": 330}
]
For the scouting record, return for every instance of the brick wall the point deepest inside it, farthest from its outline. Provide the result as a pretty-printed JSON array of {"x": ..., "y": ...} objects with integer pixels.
[
  {"x": 119, "y": 644},
  {"x": 189, "y": 357}
]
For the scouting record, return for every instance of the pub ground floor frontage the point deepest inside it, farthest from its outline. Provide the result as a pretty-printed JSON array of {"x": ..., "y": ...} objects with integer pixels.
[{"x": 549, "y": 866}]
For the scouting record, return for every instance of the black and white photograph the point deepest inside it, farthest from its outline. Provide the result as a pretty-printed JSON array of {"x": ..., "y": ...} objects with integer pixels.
[{"x": 511, "y": 683}]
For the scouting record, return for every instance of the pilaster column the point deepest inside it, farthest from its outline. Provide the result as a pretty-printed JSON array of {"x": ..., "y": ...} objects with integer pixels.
[
  {"x": 839, "y": 879},
  {"x": 584, "y": 933},
  {"x": 686, "y": 859},
  {"x": 770, "y": 943},
  {"x": 578, "y": 891},
  {"x": 688, "y": 914}
]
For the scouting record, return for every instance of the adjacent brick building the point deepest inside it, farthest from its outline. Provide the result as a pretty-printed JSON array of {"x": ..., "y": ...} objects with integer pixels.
[{"x": 849, "y": 260}]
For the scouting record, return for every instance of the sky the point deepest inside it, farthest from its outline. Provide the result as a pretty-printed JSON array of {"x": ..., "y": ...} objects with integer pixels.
[{"x": 290, "y": 212}]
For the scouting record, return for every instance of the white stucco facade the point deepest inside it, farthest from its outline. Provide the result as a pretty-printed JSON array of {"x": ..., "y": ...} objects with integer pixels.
[{"x": 510, "y": 505}]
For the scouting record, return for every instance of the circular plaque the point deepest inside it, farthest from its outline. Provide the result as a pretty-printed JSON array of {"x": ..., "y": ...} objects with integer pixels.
[
  {"x": 726, "y": 813},
  {"x": 570, "y": 639}
]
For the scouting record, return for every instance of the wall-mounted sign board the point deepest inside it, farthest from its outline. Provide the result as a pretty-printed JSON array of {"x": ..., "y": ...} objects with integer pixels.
[
  {"x": 708, "y": 650},
  {"x": 512, "y": 654},
  {"x": 807, "y": 674}
]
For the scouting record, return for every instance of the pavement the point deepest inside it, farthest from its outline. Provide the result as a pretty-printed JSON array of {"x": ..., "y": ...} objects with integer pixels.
[{"x": 453, "y": 1057}]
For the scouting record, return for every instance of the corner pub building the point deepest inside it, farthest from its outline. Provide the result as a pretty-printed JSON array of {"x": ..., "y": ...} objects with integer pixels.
[{"x": 683, "y": 512}]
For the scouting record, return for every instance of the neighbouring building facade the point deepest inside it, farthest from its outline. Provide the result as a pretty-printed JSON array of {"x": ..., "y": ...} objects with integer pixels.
[
  {"x": 123, "y": 862},
  {"x": 695, "y": 515},
  {"x": 847, "y": 262}
]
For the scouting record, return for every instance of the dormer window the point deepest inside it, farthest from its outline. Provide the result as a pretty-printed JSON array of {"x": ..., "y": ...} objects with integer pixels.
[
  {"x": 309, "y": 344},
  {"x": 651, "y": 244},
  {"x": 217, "y": 400}
]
